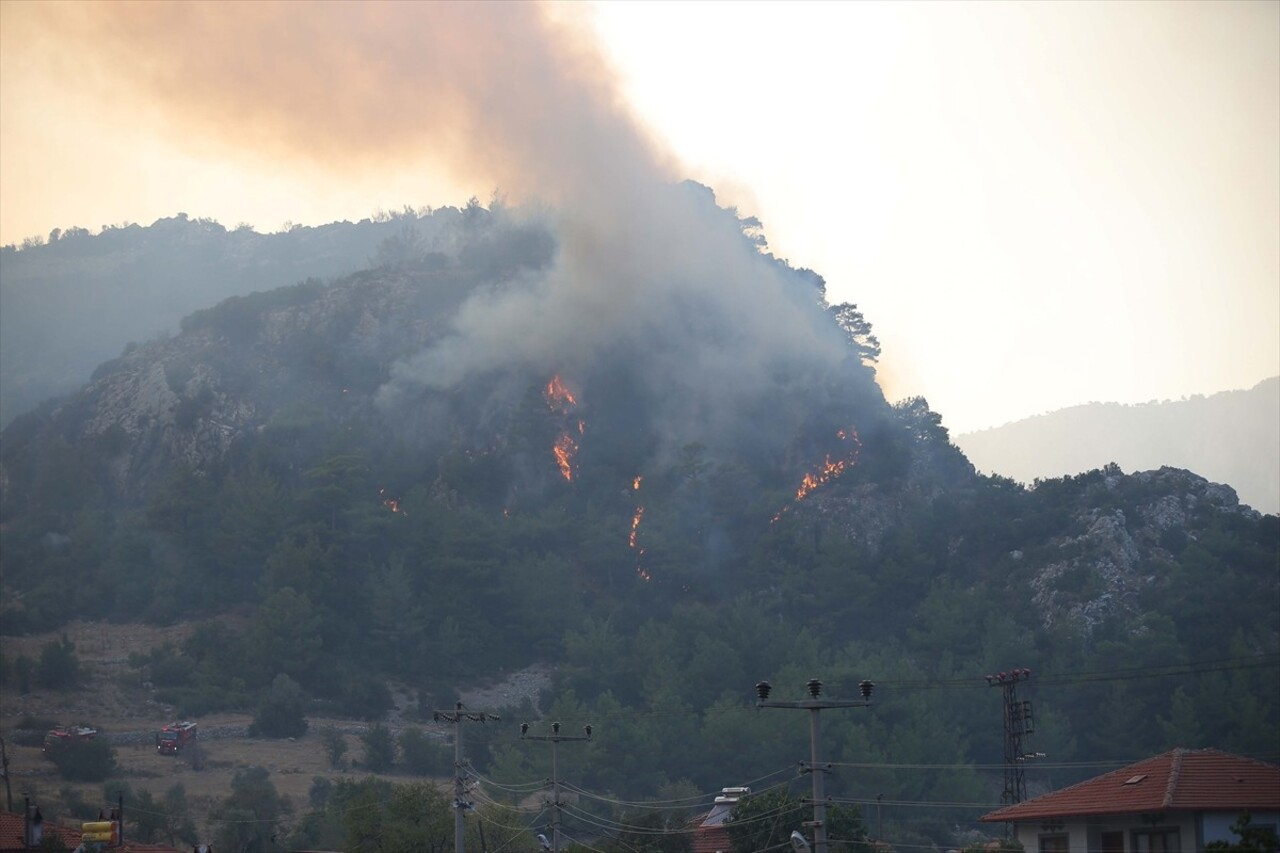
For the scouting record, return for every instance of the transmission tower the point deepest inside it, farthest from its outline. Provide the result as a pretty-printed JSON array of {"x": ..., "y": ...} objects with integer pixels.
[{"x": 1019, "y": 722}]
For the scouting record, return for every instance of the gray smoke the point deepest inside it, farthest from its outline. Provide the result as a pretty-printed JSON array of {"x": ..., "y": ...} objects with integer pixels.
[{"x": 494, "y": 92}]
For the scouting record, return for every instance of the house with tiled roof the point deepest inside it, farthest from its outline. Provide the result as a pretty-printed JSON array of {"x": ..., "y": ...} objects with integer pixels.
[
  {"x": 1172, "y": 803},
  {"x": 709, "y": 835},
  {"x": 16, "y": 832}
]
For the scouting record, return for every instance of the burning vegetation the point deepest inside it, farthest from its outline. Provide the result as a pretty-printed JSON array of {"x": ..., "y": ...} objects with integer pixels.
[
  {"x": 391, "y": 503},
  {"x": 634, "y": 538},
  {"x": 562, "y": 401},
  {"x": 829, "y": 470}
]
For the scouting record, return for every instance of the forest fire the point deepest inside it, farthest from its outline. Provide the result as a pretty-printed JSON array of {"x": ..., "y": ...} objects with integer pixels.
[
  {"x": 635, "y": 525},
  {"x": 830, "y": 469},
  {"x": 565, "y": 449},
  {"x": 558, "y": 397},
  {"x": 561, "y": 400},
  {"x": 391, "y": 503},
  {"x": 634, "y": 538}
]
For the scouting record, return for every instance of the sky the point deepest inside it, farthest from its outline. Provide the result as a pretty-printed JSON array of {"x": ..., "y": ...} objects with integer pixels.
[{"x": 1036, "y": 205}]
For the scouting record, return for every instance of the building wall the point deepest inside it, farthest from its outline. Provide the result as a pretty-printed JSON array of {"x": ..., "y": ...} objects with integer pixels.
[{"x": 1084, "y": 835}]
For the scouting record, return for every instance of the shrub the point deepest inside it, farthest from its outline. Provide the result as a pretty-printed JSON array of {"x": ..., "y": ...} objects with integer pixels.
[
  {"x": 424, "y": 755},
  {"x": 84, "y": 760},
  {"x": 59, "y": 668},
  {"x": 379, "y": 748},
  {"x": 281, "y": 713},
  {"x": 335, "y": 746}
]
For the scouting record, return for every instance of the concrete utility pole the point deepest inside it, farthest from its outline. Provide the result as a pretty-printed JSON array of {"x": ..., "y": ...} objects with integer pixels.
[
  {"x": 458, "y": 716},
  {"x": 814, "y": 705},
  {"x": 4, "y": 765},
  {"x": 554, "y": 739}
]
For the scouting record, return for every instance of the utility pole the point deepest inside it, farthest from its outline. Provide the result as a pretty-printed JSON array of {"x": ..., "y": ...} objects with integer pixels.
[
  {"x": 4, "y": 765},
  {"x": 458, "y": 716},
  {"x": 814, "y": 706},
  {"x": 554, "y": 739},
  {"x": 1019, "y": 721}
]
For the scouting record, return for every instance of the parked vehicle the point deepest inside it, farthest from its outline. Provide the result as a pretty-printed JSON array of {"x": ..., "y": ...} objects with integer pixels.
[
  {"x": 171, "y": 739},
  {"x": 60, "y": 736}
]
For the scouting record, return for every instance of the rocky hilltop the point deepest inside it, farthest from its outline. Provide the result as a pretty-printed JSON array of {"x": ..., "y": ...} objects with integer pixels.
[{"x": 255, "y": 362}]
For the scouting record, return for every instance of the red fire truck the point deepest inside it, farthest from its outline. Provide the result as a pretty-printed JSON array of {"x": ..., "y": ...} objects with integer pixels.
[
  {"x": 64, "y": 735},
  {"x": 171, "y": 739}
]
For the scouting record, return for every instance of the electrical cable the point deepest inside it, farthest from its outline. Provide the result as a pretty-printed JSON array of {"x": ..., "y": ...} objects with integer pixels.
[{"x": 657, "y": 804}]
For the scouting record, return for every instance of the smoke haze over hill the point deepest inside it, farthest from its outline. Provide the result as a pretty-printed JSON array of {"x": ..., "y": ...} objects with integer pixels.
[
  {"x": 494, "y": 92},
  {"x": 1232, "y": 438}
]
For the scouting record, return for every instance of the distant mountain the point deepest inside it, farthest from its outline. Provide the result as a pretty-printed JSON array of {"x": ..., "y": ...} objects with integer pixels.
[{"x": 1231, "y": 438}]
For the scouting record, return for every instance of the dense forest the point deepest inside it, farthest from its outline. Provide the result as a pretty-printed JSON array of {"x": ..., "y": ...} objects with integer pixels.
[{"x": 662, "y": 526}]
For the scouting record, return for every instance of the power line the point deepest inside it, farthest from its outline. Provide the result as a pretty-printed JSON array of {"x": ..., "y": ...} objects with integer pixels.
[
  {"x": 1266, "y": 660},
  {"x": 700, "y": 798}
]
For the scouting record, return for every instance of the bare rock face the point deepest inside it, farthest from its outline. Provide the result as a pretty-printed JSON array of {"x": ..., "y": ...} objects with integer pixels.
[
  {"x": 1099, "y": 579},
  {"x": 188, "y": 400},
  {"x": 1103, "y": 571},
  {"x": 151, "y": 413}
]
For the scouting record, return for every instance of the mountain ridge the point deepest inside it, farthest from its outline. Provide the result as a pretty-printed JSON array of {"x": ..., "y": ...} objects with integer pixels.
[{"x": 1231, "y": 437}]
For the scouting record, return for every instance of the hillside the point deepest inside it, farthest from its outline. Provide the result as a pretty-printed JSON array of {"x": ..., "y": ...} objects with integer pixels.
[
  {"x": 75, "y": 301},
  {"x": 117, "y": 700},
  {"x": 661, "y": 474},
  {"x": 1232, "y": 437}
]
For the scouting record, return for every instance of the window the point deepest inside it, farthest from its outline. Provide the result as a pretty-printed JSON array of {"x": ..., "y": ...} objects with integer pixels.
[
  {"x": 1054, "y": 844},
  {"x": 1156, "y": 841},
  {"x": 1112, "y": 842}
]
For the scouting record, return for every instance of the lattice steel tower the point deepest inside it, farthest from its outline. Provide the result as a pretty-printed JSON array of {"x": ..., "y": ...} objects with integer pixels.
[{"x": 1019, "y": 722}]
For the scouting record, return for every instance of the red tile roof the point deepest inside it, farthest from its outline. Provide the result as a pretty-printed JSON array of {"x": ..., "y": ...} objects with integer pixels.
[
  {"x": 12, "y": 828},
  {"x": 1180, "y": 780}
]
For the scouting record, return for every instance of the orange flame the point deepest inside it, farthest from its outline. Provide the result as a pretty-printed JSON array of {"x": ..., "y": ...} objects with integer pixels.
[
  {"x": 829, "y": 470},
  {"x": 635, "y": 532},
  {"x": 561, "y": 400},
  {"x": 558, "y": 396},
  {"x": 564, "y": 449},
  {"x": 392, "y": 504},
  {"x": 635, "y": 524}
]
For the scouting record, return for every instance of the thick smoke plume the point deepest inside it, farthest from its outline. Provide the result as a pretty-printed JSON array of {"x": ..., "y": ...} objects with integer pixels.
[{"x": 497, "y": 92}]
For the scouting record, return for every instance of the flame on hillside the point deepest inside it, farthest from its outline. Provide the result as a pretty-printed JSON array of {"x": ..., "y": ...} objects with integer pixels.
[
  {"x": 634, "y": 539},
  {"x": 565, "y": 449},
  {"x": 391, "y": 503},
  {"x": 558, "y": 397},
  {"x": 635, "y": 525},
  {"x": 829, "y": 470},
  {"x": 562, "y": 401}
]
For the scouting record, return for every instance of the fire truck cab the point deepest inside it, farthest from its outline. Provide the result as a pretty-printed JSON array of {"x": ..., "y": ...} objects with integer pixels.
[
  {"x": 171, "y": 739},
  {"x": 64, "y": 735}
]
